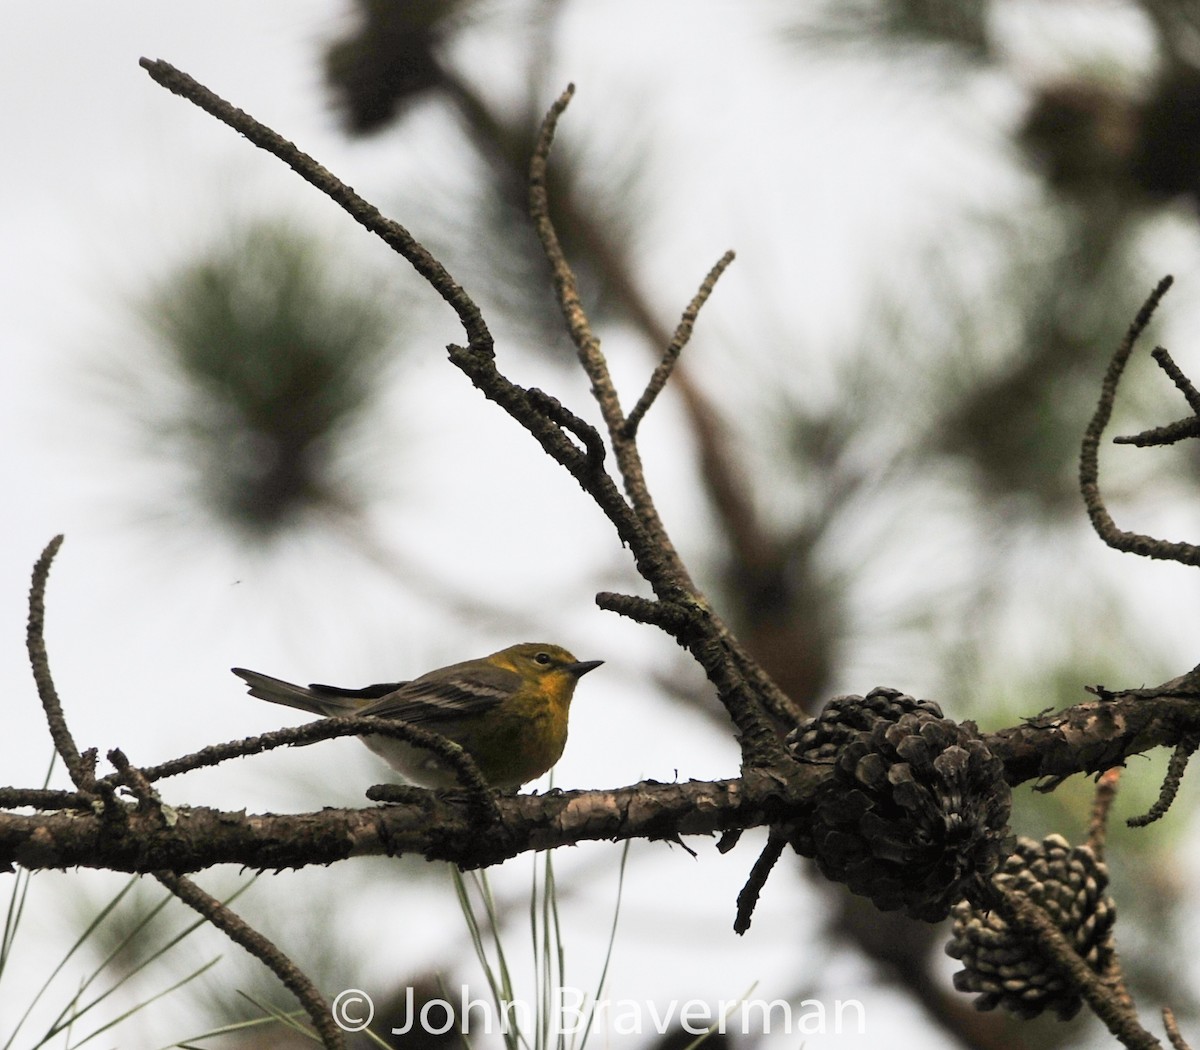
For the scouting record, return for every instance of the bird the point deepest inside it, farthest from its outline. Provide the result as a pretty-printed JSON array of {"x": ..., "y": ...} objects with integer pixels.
[{"x": 507, "y": 710}]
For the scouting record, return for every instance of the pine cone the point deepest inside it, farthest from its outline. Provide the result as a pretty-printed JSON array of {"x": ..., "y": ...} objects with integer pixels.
[
  {"x": 1069, "y": 883},
  {"x": 844, "y": 717},
  {"x": 916, "y": 811}
]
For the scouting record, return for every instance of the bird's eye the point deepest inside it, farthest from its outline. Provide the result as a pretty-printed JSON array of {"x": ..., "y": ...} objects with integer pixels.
[{"x": 542, "y": 658}]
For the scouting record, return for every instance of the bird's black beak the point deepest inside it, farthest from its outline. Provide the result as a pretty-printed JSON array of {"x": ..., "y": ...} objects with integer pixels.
[{"x": 582, "y": 667}]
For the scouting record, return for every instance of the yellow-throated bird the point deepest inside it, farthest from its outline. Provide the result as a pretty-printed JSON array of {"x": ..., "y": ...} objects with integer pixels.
[{"x": 508, "y": 711}]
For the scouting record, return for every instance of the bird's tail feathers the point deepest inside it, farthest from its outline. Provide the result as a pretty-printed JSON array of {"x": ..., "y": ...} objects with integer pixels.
[{"x": 278, "y": 691}]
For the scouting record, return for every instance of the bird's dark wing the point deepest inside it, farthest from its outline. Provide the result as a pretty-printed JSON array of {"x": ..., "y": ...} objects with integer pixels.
[{"x": 448, "y": 694}]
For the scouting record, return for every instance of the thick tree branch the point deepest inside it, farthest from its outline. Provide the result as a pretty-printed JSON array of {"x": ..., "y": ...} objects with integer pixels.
[
  {"x": 1090, "y": 738},
  {"x": 1087, "y": 738},
  {"x": 437, "y": 827},
  {"x": 225, "y": 919}
]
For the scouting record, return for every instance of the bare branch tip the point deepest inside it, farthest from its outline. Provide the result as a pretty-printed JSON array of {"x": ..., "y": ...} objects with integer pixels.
[
  {"x": 159, "y": 70},
  {"x": 51, "y": 549},
  {"x": 37, "y": 591},
  {"x": 551, "y": 119},
  {"x": 1172, "y": 1028},
  {"x": 1151, "y": 304},
  {"x": 747, "y": 899},
  {"x": 1089, "y": 459},
  {"x": 39, "y": 661}
]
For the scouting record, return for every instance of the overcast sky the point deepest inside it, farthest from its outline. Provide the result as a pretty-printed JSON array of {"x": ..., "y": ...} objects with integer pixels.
[{"x": 108, "y": 179}]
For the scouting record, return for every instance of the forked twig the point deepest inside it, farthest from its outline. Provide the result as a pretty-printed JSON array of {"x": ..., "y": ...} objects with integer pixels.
[
  {"x": 638, "y": 525},
  {"x": 1180, "y": 429},
  {"x": 708, "y": 638},
  {"x": 587, "y": 348},
  {"x": 1089, "y": 454}
]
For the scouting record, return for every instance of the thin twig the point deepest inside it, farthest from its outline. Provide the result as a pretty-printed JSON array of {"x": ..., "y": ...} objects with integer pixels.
[
  {"x": 561, "y": 416},
  {"x": 1167, "y": 434},
  {"x": 1167, "y": 363},
  {"x": 229, "y": 922},
  {"x": 40, "y": 798},
  {"x": 1089, "y": 454},
  {"x": 1107, "y": 1003},
  {"x": 498, "y": 141},
  {"x": 1172, "y": 1027},
  {"x": 1113, "y": 975},
  {"x": 364, "y": 213},
  {"x": 580, "y": 463},
  {"x": 680, "y": 622},
  {"x": 587, "y": 346},
  {"x": 1176, "y": 767},
  {"x": 82, "y": 775},
  {"x": 658, "y": 379},
  {"x": 675, "y": 619},
  {"x": 747, "y": 899},
  {"x": 240, "y": 932},
  {"x": 1179, "y": 430},
  {"x": 134, "y": 779},
  {"x": 659, "y": 561},
  {"x": 1106, "y": 792},
  {"x": 479, "y": 792}
]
